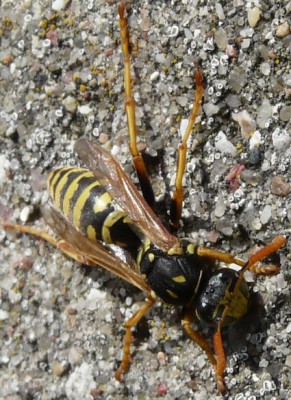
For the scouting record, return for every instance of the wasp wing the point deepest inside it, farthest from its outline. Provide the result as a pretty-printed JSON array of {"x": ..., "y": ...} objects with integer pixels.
[
  {"x": 110, "y": 173},
  {"x": 93, "y": 252}
]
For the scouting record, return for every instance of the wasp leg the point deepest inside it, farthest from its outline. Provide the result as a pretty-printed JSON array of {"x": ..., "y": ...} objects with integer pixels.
[
  {"x": 143, "y": 177},
  {"x": 64, "y": 246},
  {"x": 31, "y": 231},
  {"x": 178, "y": 195},
  {"x": 215, "y": 255},
  {"x": 186, "y": 321},
  {"x": 220, "y": 357},
  {"x": 131, "y": 323},
  {"x": 254, "y": 264}
]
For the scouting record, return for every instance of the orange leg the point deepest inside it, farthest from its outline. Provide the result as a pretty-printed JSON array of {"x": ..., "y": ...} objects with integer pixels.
[
  {"x": 215, "y": 255},
  {"x": 252, "y": 263},
  {"x": 186, "y": 321},
  {"x": 178, "y": 195},
  {"x": 143, "y": 177},
  {"x": 62, "y": 245},
  {"x": 254, "y": 260},
  {"x": 220, "y": 356},
  {"x": 131, "y": 323}
]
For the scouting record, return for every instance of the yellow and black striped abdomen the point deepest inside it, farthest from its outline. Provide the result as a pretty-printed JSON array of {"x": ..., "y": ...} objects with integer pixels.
[{"x": 86, "y": 203}]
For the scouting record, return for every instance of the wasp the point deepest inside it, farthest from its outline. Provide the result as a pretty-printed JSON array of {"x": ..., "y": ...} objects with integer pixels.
[{"x": 95, "y": 207}]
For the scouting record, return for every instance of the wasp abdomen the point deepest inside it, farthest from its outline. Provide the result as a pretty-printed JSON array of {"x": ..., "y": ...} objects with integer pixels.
[{"x": 85, "y": 202}]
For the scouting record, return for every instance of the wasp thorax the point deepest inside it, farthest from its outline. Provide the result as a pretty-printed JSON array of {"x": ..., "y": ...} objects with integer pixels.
[
  {"x": 221, "y": 296},
  {"x": 174, "y": 276}
]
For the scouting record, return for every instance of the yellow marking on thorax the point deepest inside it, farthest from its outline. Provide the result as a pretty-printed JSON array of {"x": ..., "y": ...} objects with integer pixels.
[
  {"x": 151, "y": 257},
  {"x": 179, "y": 279},
  {"x": 172, "y": 294},
  {"x": 79, "y": 205},
  {"x": 175, "y": 251},
  {"x": 73, "y": 187}
]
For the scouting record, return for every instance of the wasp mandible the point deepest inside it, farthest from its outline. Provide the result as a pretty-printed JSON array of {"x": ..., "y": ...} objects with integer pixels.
[{"x": 99, "y": 206}]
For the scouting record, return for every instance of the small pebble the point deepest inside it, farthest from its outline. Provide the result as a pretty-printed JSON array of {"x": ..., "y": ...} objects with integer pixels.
[
  {"x": 283, "y": 30},
  {"x": 246, "y": 123},
  {"x": 70, "y": 104},
  {"x": 210, "y": 109},
  {"x": 24, "y": 215},
  {"x": 265, "y": 68},
  {"x": 254, "y": 16},
  {"x": 281, "y": 139},
  {"x": 255, "y": 156},
  {"x": 219, "y": 11},
  {"x": 250, "y": 177},
  {"x": 59, "y": 5},
  {"x": 3, "y": 315},
  {"x": 154, "y": 75},
  {"x": 85, "y": 110},
  {"x": 162, "y": 389},
  {"x": 162, "y": 358},
  {"x": 220, "y": 38},
  {"x": 288, "y": 361},
  {"x": 219, "y": 208},
  {"x": 255, "y": 140},
  {"x": 266, "y": 214},
  {"x": 224, "y": 145},
  {"x": 80, "y": 382},
  {"x": 285, "y": 113},
  {"x": 59, "y": 368},
  {"x": 256, "y": 224},
  {"x": 280, "y": 187},
  {"x": 264, "y": 112},
  {"x": 231, "y": 51},
  {"x": 103, "y": 138}
]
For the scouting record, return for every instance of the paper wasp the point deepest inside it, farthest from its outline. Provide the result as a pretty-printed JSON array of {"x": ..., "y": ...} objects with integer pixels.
[{"x": 99, "y": 206}]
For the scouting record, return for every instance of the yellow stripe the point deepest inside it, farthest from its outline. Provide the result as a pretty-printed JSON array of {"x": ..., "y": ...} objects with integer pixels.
[
  {"x": 102, "y": 202},
  {"x": 79, "y": 205},
  {"x": 59, "y": 187},
  {"x": 71, "y": 190},
  {"x": 53, "y": 177},
  {"x": 179, "y": 279},
  {"x": 91, "y": 233},
  {"x": 108, "y": 223}
]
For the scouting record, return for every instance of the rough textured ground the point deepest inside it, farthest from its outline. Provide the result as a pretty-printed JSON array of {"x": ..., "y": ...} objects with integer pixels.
[{"x": 61, "y": 78}]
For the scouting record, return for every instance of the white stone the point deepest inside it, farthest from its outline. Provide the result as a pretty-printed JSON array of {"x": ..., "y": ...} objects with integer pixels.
[
  {"x": 80, "y": 382},
  {"x": 85, "y": 110},
  {"x": 224, "y": 145},
  {"x": 266, "y": 214},
  {"x": 3, "y": 315},
  {"x": 24, "y": 215},
  {"x": 59, "y": 5},
  {"x": 255, "y": 140},
  {"x": 281, "y": 139}
]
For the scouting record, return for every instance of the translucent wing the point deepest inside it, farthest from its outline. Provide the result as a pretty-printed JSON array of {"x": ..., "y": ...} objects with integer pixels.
[
  {"x": 94, "y": 252},
  {"x": 110, "y": 173}
]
